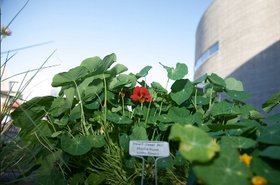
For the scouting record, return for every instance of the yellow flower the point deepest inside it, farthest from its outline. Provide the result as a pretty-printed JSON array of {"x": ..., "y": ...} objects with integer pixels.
[
  {"x": 258, "y": 180},
  {"x": 246, "y": 159}
]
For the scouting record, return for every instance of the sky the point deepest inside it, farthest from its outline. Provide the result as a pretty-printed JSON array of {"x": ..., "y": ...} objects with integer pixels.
[{"x": 139, "y": 32}]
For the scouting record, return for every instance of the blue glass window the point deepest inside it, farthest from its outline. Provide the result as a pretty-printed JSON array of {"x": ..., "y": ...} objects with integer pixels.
[{"x": 206, "y": 55}]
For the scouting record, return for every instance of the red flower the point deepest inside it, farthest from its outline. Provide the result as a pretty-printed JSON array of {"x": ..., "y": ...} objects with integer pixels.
[{"x": 141, "y": 94}]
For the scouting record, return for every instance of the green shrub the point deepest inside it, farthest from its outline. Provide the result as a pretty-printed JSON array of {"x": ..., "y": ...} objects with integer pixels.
[{"x": 82, "y": 136}]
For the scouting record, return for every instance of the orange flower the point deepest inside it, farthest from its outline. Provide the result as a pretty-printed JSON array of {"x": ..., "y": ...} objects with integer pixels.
[
  {"x": 258, "y": 180},
  {"x": 141, "y": 94},
  {"x": 246, "y": 159}
]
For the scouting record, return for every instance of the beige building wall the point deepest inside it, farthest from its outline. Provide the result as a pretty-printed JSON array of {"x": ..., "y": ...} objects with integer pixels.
[{"x": 248, "y": 33}]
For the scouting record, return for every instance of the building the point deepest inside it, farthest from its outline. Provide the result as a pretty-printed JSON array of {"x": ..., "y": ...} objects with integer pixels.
[
  {"x": 8, "y": 93},
  {"x": 241, "y": 39},
  {"x": 10, "y": 99}
]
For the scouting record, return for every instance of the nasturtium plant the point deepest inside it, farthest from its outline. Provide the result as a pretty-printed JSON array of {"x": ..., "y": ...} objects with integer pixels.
[
  {"x": 181, "y": 90},
  {"x": 271, "y": 102},
  {"x": 76, "y": 145},
  {"x": 233, "y": 84},
  {"x": 178, "y": 73},
  {"x": 82, "y": 135},
  {"x": 226, "y": 168},
  {"x": 239, "y": 142},
  {"x": 195, "y": 144}
]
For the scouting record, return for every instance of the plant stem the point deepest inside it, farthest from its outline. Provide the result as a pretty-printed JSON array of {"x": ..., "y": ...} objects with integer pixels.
[
  {"x": 162, "y": 101},
  {"x": 83, "y": 120},
  {"x": 146, "y": 120},
  {"x": 122, "y": 104},
  {"x": 41, "y": 142},
  {"x": 153, "y": 134},
  {"x": 195, "y": 96},
  {"x": 210, "y": 101},
  {"x": 50, "y": 121},
  {"x": 105, "y": 126}
]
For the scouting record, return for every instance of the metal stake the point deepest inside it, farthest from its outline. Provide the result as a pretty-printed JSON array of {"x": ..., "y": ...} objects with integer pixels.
[
  {"x": 156, "y": 179},
  {"x": 143, "y": 169}
]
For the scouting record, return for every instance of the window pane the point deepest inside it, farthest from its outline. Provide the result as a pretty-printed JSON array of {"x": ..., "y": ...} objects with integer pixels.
[{"x": 206, "y": 55}]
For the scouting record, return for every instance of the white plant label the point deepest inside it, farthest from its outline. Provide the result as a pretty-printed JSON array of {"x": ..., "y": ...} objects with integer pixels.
[{"x": 149, "y": 148}]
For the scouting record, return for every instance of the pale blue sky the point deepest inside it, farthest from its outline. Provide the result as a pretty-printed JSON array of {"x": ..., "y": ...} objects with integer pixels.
[{"x": 140, "y": 32}]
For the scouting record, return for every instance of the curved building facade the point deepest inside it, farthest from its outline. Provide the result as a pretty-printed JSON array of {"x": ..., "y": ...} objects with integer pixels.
[{"x": 241, "y": 39}]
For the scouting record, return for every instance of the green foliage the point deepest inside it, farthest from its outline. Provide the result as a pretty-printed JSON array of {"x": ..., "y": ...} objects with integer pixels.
[
  {"x": 225, "y": 169},
  {"x": 271, "y": 102},
  {"x": 239, "y": 142},
  {"x": 233, "y": 84},
  {"x": 178, "y": 73},
  {"x": 84, "y": 133},
  {"x": 271, "y": 152},
  {"x": 195, "y": 144},
  {"x": 144, "y": 71},
  {"x": 181, "y": 91},
  {"x": 78, "y": 145}
]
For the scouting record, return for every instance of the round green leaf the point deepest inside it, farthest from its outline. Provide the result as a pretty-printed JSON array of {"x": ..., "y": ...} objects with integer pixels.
[
  {"x": 31, "y": 112},
  {"x": 117, "y": 69},
  {"x": 265, "y": 169},
  {"x": 91, "y": 63},
  {"x": 165, "y": 162},
  {"x": 130, "y": 162},
  {"x": 69, "y": 95},
  {"x": 158, "y": 88},
  {"x": 75, "y": 113},
  {"x": 271, "y": 152},
  {"x": 93, "y": 105},
  {"x": 97, "y": 141},
  {"x": 193, "y": 118},
  {"x": 42, "y": 129},
  {"x": 200, "y": 100},
  {"x": 224, "y": 108},
  {"x": 238, "y": 142},
  {"x": 124, "y": 141},
  {"x": 178, "y": 73},
  {"x": 163, "y": 126},
  {"x": 144, "y": 71},
  {"x": 117, "y": 119},
  {"x": 215, "y": 79},
  {"x": 238, "y": 95},
  {"x": 59, "y": 106},
  {"x": 178, "y": 115},
  {"x": 233, "y": 84},
  {"x": 179, "y": 160},
  {"x": 92, "y": 91},
  {"x": 218, "y": 127},
  {"x": 139, "y": 133},
  {"x": 119, "y": 81},
  {"x": 271, "y": 102},
  {"x": 195, "y": 144},
  {"x": 200, "y": 79},
  {"x": 269, "y": 135},
  {"x": 224, "y": 170},
  {"x": 78, "y": 145},
  {"x": 272, "y": 120},
  {"x": 72, "y": 75},
  {"x": 164, "y": 118},
  {"x": 107, "y": 62},
  {"x": 96, "y": 179},
  {"x": 97, "y": 66},
  {"x": 181, "y": 91}
]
